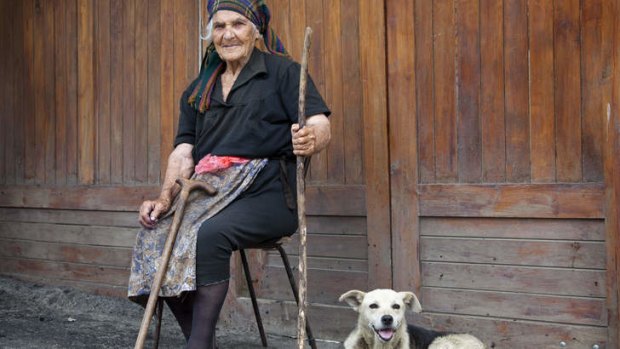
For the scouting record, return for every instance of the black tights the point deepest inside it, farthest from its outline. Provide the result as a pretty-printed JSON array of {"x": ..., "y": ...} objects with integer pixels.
[{"x": 197, "y": 314}]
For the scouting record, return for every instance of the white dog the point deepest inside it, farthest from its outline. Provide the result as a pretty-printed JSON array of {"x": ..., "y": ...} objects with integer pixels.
[{"x": 382, "y": 324}]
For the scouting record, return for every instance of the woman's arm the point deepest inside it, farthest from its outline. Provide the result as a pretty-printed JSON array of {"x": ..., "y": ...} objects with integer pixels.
[
  {"x": 180, "y": 164},
  {"x": 313, "y": 138}
]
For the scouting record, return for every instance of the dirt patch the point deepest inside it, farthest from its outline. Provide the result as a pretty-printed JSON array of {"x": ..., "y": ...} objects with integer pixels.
[{"x": 39, "y": 316}]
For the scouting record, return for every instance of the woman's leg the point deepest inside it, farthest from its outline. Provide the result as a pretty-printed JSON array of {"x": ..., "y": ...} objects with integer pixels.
[
  {"x": 182, "y": 309},
  {"x": 207, "y": 306}
]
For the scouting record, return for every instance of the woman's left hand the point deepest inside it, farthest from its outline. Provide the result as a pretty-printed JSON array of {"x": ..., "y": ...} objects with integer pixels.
[{"x": 313, "y": 137}]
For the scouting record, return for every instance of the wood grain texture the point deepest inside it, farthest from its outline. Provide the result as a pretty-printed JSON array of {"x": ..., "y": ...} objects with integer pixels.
[
  {"x": 104, "y": 91},
  {"x": 60, "y": 93},
  {"x": 86, "y": 92}
]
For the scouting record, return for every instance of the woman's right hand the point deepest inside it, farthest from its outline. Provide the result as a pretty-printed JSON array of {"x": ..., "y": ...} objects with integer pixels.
[{"x": 151, "y": 210}]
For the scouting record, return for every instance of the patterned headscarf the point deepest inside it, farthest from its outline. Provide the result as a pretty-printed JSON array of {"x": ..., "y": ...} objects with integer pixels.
[{"x": 212, "y": 65}]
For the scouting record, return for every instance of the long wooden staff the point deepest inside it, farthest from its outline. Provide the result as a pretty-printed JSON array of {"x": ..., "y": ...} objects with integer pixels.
[{"x": 301, "y": 197}]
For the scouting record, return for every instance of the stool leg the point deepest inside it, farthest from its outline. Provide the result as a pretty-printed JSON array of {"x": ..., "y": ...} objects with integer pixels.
[
  {"x": 248, "y": 279},
  {"x": 158, "y": 315},
  {"x": 291, "y": 280}
]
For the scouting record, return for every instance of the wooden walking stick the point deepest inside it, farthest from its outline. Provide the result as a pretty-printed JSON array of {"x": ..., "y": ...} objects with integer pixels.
[
  {"x": 187, "y": 185},
  {"x": 301, "y": 197}
]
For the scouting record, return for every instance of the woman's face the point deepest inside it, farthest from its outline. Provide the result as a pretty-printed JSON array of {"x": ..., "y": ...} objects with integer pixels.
[{"x": 234, "y": 36}]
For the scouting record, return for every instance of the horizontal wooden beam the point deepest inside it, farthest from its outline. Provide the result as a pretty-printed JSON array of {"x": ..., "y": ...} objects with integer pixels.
[
  {"x": 513, "y": 200},
  {"x": 320, "y": 200}
]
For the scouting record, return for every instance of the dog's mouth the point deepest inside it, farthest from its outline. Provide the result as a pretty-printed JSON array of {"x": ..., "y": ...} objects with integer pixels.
[{"x": 385, "y": 334}]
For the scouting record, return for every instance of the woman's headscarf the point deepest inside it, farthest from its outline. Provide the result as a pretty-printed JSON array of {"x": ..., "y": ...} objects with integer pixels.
[{"x": 212, "y": 65}]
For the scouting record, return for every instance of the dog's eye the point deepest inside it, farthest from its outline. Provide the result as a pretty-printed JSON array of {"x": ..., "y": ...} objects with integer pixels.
[
  {"x": 395, "y": 306},
  {"x": 374, "y": 306}
]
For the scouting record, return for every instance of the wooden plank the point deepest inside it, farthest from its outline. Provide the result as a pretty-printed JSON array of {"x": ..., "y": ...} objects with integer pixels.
[
  {"x": 595, "y": 84},
  {"x": 334, "y": 225},
  {"x": 86, "y": 92},
  {"x": 69, "y": 271},
  {"x": 352, "y": 96},
  {"x": 96, "y": 255},
  {"x": 19, "y": 93},
  {"x": 547, "y": 229},
  {"x": 76, "y": 217},
  {"x": 373, "y": 69},
  {"x": 467, "y": 29},
  {"x": 516, "y": 91},
  {"x": 28, "y": 88},
  {"x": 492, "y": 91},
  {"x": 5, "y": 109},
  {"x": 48, "y": 130},
  {"x": 333, "y": 65},
  {"x": 7, "y": 169},
  {"x": 91, "y": 287},
  {"x": 154, "y": 92},
  {"x": 141, "y": 90},
  {"x": 344, "y": 246},
  {"x": 116, "y": 90},
  {"x": 403, "y": 144},
  {"x": 567, "y": 310},
  {"x": 71, "y": 234},
  {"x": 275, "y": 284},
  {"x": 549, "y": 281},
  {"x": 444, "y": 53},
  {"x": 73, "y": 116},
  {"x": 104, "y": 92},
  {"x": 548, "y": 253},
  {"x": 129, "y": 90},
  {"x": 60, "y": 91},
  {"x": 168, "y": 98},
  {"x": 542, "y": 112},
  {"x": 321, "y": 201},
  {"x": 515, "y": 333},
  {"x": 39, "y": 91},
  {"x": 423, "y": 22},
  {"x": 526, "y": 201},
  {"x": 274, "y": 260},
  {"x": 567, "y": 91}
]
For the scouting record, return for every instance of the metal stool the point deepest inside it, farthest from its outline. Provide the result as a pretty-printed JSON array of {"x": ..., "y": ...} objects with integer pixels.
[{"x": 246, "y": 269}]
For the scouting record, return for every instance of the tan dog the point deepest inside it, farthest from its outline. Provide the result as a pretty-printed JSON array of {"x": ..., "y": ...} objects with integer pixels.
[{"x": 382, "y": 324}]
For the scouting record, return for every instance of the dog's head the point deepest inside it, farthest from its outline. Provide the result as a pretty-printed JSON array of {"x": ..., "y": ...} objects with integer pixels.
[{"x": 382, "y": 309}]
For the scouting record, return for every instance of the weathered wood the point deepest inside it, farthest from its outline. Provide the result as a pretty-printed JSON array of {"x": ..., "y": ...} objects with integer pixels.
[
  {"x": 492, "y": 91},
  {"x": 86, "y": 92},
  {"x": 92, "y": 287},
  {"x": 48, "y": 140},
  {"x": 104, "y": 91},
  {"x": 60, "y": 92},
  {"x": 526, "y": 201},
  {"x": 568, "y": 310},
  {"x": 79, "y": 217},
  {"x": 542, "y": 112},
  {"x": 28, "y": 88},
  {"x": 39, "y": 91},
  {"x": 116, "y": 90},
  {"x": 335, "y": 225},
  {"x": 549, "y": 281},
  {"x": 331, "y": 246},
  {"x": 567, "y": 91},
  {"x": 141, "y": 93},
  {"x": 153, "y": 111},
  {"x": 372, "y": 29},
  {"x": 128, "y": 98},
  {"x": 325, "y": 263},
  {"x": 403, "y": 145},
  {"x": 73, "y": 116},
  {"x": 168, "y": 99},
  {"x": 516, "y": 91}
]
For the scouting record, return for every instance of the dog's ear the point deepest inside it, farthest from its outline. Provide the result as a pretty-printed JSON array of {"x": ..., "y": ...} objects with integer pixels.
[
  {"x": 354, "y": 298},
  {"x": 411, "y": 301}
]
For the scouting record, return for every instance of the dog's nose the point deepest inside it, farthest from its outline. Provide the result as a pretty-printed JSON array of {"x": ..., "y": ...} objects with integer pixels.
[{"x": 387, "y": 320}]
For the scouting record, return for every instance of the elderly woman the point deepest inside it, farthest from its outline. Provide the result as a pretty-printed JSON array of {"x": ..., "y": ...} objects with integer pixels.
[{"x": 238, "y": 131}]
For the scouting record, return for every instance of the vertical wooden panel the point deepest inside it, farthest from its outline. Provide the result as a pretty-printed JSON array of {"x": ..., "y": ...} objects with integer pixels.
[
  {"x": 596, "y": 72},
  {"x": 141, "y": 90},
  {"x": 403, "y": 145},
  {"x": 492, "y": 91},
  {"x": 4, "y": 88},
  {"x": 129, "y": 90},
  {"x": 28, "y": 88},
  {"x": 19, "y": 93},
  {"x": 102, "y": 109},
  {"x": 49, "y": 134},
  {"x": 185, "y": 28},
  {"x": 541, "y": 90},
  {"x": 372, "y": 29},
  {"x": 72, "y": 92},
  {"x": 60, "y": 88},
  {"x": 7, "y": 169},
  {"x": 154, "y": 91},
  {"x": 516, "y": 93},
  {"x": 446, "y": 163},
  {"x": 333, "y": 90},
  {"x": 467, "y": 16},
  {"x": 39, "y": 90},
  {"x": 116, "y": 91},
  {"x": 298, "y": 24},
  {"x": 352, "y": 95},
  {"x": 424, "y": 89},
  {"x": 167, "y": 103},
  {"x": 86, "y": 91},
  {"x": 567, "y": 91}
]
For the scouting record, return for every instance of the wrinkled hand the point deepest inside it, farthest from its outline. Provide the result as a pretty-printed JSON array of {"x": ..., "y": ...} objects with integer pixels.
[
  {"x": 304, "y": 140},
  {"x": 151, "y": 210}
]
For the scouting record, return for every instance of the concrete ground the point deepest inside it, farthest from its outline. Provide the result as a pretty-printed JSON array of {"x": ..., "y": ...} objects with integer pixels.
[{"x": 38, "y": 316}]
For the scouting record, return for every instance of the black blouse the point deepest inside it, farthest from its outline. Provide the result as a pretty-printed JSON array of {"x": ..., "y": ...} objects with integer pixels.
[{"x": 255, "y": 120}]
